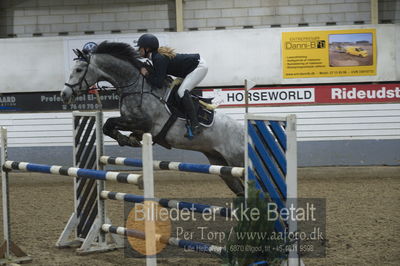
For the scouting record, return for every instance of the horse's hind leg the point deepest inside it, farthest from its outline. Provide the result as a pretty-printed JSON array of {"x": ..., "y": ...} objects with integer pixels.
[
  {"x": 111, "y": 128},
  {"x": 234, "y": 183}
]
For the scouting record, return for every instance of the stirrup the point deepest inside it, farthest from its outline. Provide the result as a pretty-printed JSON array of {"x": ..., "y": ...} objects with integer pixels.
[
  {"x": 189, "y": 132},
  {"x": 192, "y": 131}
]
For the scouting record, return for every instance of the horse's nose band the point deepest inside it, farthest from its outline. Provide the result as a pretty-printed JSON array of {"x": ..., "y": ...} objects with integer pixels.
[{"x": 83, "y": 79}]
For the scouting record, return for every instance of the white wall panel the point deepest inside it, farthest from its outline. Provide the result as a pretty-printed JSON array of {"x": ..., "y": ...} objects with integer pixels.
[
  {"x": 326, "y": 122},
  {"x": 336, "y": 122},
  {"x": 39, "y": 64},
  {"x": 32, "y": 64}
]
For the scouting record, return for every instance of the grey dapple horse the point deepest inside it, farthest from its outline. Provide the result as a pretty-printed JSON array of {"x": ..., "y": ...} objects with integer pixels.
[{"x": 142, "y": 108}]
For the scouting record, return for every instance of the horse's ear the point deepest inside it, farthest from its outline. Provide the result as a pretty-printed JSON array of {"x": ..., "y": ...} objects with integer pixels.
[
  {"x": 85, "y": 56},
  {"x": 76, "y": 52},
  {"x": 81, "y": 55}
]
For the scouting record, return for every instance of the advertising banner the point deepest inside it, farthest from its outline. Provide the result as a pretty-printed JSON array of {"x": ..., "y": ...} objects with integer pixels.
[
  {"x": 306, "y": 95},
  {"x": 51, "y": 101},
  {"x": 224, "y": 97},
  {"x": 337, "y": 53}
]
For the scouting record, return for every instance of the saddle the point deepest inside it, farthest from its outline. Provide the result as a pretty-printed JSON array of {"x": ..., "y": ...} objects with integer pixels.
[
  {"x": 173, "y": 105},
  {"x": 204, "y": 107}
]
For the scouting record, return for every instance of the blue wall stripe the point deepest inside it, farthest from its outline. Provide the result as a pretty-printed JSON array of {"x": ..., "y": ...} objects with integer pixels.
[
  {"x": 265, "y": 178},
  {"x": 278, "y": 225},
  {"x": 272, "y": 144},
  {"x": 279, "y": 133},
  {"x": 252, "y": 177},
  {"x": 276, "y": 176}
]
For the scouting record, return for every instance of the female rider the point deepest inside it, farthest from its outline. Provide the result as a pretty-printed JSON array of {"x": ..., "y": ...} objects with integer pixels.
[{"x": 191, "y": 67}]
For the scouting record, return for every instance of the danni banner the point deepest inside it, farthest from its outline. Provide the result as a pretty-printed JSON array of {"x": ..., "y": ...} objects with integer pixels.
[
  {"x": 300, "y": 95},
  {"x": 329, "y": 53}
]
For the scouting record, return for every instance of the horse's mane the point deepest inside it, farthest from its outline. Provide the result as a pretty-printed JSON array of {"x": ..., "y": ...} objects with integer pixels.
[{"x": 119, "y": 50}]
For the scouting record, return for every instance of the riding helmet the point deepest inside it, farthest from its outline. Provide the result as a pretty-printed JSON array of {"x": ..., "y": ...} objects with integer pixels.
[{"x": 148, "y": 41}]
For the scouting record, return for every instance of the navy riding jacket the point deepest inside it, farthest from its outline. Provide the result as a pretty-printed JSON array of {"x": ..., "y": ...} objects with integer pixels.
[{"x": 179, "y": 66}]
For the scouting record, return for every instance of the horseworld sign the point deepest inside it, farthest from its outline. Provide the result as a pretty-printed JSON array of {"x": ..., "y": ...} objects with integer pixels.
[
  {"x": 261, "y": 96},
  {"x": 300, "y": 95},
  {"x": 224, "y": 97}
]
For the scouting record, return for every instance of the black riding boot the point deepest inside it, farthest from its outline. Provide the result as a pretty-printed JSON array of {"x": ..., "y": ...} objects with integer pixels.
[{"x": 191, "y": 112}]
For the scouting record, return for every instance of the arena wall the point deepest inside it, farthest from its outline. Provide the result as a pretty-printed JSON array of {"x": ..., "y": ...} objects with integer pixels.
[
  {"x": 38, "y": 18},
  {"x": 332, "y": 134},
  {"x": 42, "y": 64}
]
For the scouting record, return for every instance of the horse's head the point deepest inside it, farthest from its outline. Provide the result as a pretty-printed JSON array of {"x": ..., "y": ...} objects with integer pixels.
[
  {"x": 114, "y": 62},
  {"x": 82, "y": 77}
]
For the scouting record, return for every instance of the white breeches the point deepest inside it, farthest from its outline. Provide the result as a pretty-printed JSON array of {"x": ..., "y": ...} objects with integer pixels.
[{"x": 193, "y": 78}]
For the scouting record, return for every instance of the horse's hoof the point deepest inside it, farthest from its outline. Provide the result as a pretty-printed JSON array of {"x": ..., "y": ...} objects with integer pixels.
[
  {"x": 131, "y": 141},
  {"x": 134, "y": 142},
  {"x": 123, "y": 141}
]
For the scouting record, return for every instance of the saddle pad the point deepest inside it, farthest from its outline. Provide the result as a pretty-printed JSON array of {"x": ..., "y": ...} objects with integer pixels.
[{"x": 173, "y": 106}]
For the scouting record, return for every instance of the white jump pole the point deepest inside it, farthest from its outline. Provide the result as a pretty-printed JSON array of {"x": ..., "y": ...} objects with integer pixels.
[
  {"x": 10, "y": 252},
  {"x": 148, "y": 184},
  {"x": 5, "y": 196},
  {"x": 248, "y": 85}
]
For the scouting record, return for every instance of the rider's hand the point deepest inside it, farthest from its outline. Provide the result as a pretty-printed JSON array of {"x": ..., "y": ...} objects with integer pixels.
[{"x": 144, "y": 71}]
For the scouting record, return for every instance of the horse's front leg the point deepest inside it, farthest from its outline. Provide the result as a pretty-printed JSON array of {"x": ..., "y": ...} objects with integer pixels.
[{"x": 113, "y": 125}]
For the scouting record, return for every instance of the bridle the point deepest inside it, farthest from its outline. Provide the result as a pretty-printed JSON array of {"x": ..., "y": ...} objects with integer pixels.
[
  {"x": 85, "y": 58},
  {"x": 141, "y": 92}
]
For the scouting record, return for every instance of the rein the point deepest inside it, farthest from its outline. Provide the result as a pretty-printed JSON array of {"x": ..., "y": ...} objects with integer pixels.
[
  {"x": 104, "y": 88},
  {"x": 141, "y": 92}
]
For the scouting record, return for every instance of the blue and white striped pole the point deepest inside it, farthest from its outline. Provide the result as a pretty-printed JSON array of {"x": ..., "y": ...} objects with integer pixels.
[
  {"x": 172, "y": 241},
  {"x": 74, "y": 172},
  {"x": 168, "y": 203},
  {"x": 177, "y": 166}
]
